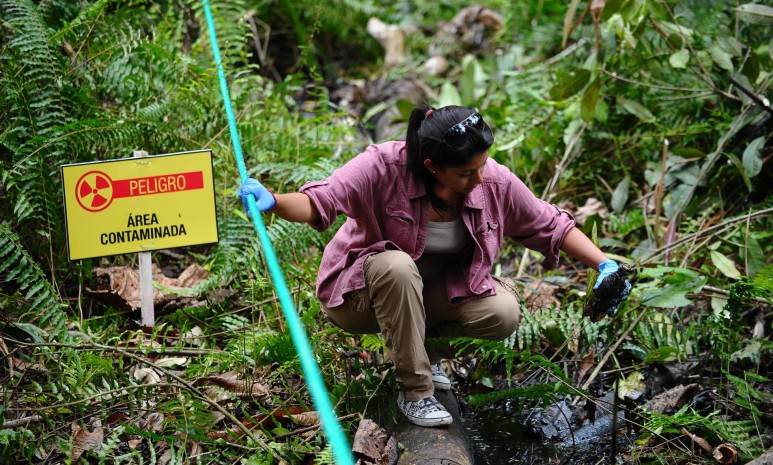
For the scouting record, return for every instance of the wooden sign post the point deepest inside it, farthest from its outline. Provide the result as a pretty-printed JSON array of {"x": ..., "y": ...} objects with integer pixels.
[{"x": 147, "y": 308}]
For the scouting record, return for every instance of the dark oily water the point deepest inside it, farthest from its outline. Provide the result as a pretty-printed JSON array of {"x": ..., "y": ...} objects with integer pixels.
[
  {"x": 501, "y": 437},
  {"x": 496, "y": 437}
]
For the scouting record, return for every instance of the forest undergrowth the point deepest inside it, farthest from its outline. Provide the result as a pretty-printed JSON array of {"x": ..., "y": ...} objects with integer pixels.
[{"x": 648, "y": 120}]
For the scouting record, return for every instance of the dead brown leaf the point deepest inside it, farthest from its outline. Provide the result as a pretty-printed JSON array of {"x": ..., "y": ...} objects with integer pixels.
[
  {"x": 29, "y": 368},
  {"x": 588, "y": 362},
  {"x": 704, "y": 444},
  {"x": 153, "y": 422},
  {"x": 4, "y": 351},
  {"x": 672, "y": 399},
  {"x": 476, "y": 14},
  {"x": 121, "y": 285},
  {"x": 592, "y": 207},
  {"x": 262, "y": 419},
  {"x": 117, "y": 417},
  {"x": 195, "y": 449},
  {"x": 84, "y": 440},
  {"x": 370, "y": 442},
  {"x": 307, "y": 418},
  {"x": 539, "y": 295},
  {"x": 231, "y": 382},
  {"x": 146, "y": 375}
]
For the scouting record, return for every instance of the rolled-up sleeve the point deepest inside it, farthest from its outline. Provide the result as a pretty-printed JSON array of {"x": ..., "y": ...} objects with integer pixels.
[
  {"x": 536, "y": 224},
  {"x": 348, "y": 190}
]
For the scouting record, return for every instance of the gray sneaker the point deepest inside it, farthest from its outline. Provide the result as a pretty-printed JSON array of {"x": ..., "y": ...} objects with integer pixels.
[
  {"x": 424, "y": 412},
  {"x": 439, "y": 378}
]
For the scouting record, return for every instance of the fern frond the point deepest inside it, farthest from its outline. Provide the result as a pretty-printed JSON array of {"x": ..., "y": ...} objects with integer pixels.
[
  {"x": 37, "y": 69},
  {"x": 545, "y": 393},
  {"x": 231, "y": 27},
  {"x": 42, "y": 304}
]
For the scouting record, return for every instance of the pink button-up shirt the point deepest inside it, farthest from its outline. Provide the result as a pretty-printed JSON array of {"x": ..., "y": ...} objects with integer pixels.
[{"x": 388, "y": 209}]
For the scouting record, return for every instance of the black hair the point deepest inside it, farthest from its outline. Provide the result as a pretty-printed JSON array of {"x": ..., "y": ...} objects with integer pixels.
[{"x": 426, "y": 139}]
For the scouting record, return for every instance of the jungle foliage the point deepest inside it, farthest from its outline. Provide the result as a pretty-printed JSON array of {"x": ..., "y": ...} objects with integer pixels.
[{"x": 657, "y": 109}]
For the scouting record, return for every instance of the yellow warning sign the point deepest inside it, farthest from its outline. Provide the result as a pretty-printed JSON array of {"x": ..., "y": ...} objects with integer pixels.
[{"x": 139, "y": 204}]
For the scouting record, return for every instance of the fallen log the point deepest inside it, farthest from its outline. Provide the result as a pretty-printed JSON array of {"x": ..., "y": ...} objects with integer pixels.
[
  {"x": 765, "y": 459},
  {"x": 435, "y": 446}
]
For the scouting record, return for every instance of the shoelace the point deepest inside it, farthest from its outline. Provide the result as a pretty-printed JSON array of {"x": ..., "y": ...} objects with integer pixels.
[{"x": 428, "y": 404}]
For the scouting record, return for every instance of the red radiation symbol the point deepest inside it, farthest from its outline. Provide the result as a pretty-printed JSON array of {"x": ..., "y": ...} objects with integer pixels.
[{"x": 94, "y": 191}]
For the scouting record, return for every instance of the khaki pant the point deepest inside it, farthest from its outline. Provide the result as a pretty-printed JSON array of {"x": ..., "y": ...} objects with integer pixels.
[{"x": 405, "y": 304}]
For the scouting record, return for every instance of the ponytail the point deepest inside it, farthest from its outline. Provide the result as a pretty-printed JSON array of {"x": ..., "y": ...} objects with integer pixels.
[{"x": 413, "y": 140}]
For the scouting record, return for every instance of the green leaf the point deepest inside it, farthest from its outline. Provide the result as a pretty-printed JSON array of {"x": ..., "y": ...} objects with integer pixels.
[
  {"x": 741, "y": 169},
  {"x": 632, "y": 386},
  {"x": 636, "y": 109},
  {"x": 37, "y": 334},
  {"x": 590, "y": 100},
  {"x": 662, "y": 354},
  {"x": 610, "y": 8},
  {"x": 672, "y": 28},
  {"x": 751, "y": 351},
  {"x": 678, "y": 282},
  {"x": 730, "y": 44},
  {"x": 569, "y": 84},
  {"x": 679, "y": 59},
  {"x": 449, "y": 95},
  {"x": 678, "y": 195},
  {"x": 751, "y": 67},
  {"x": 752, "y": 158},
  {"x": 755, "y": 257},
  {"x": 467, "y": 81},
  {"x": 602, "y": 111},
  {"x": 664, "y": 298},
  {"x": 721, "y": 57},
  {"x": 718, "y": 305},
  {"x": 376, "y": 109},
  {"x": 404, "y": 106},
  {"x": 750, "y": 375},
  {"x": 688, "y": 152},
  {"x": 755, "y": 14},
  {"x": 725, "y": 265},
  {"x": 472, "y": 85},
  {"x": 620, "y": 195},
  {"x": 675, "y": 40}
]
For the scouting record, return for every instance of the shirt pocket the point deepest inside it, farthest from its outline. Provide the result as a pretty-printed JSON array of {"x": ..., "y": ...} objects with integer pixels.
[
  {"x": 487, "y": 228},
  {"x": 488, "y": 236},
  {"x": 398, "y": 225}
]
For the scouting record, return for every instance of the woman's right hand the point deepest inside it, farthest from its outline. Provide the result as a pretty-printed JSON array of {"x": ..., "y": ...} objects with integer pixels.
[{"x": 264, "y": 198}]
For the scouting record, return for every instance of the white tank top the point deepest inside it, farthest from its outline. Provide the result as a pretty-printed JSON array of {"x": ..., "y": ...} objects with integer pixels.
[{"x": 446, "y": 237}]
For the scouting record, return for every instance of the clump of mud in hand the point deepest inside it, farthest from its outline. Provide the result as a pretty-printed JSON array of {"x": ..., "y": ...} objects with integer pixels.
[{"x": 609, "y": 294}]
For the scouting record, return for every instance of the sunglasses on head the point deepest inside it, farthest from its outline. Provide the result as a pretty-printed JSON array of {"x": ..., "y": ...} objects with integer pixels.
[{"x": 454, "y": 136}]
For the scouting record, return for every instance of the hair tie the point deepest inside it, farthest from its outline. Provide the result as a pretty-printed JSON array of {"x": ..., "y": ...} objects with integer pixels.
[{"x": 426, "y": 115}]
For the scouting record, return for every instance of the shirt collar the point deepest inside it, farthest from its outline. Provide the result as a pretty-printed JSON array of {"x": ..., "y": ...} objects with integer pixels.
[
  {"x": 415, "y": 187},
  {"x": 476, "y": 199}
]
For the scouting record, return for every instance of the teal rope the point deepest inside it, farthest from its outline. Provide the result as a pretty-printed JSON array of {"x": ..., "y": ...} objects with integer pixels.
[{"x": 319, "y": 395}]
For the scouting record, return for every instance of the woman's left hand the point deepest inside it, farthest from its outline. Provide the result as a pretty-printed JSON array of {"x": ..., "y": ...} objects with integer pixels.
[{"x": 615, "y": 293}]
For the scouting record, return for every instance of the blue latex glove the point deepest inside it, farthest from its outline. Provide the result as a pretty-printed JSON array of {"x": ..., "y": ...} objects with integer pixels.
[
  {"x": 606, "y": 268},
  {"x": 263, "y": 197}
]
